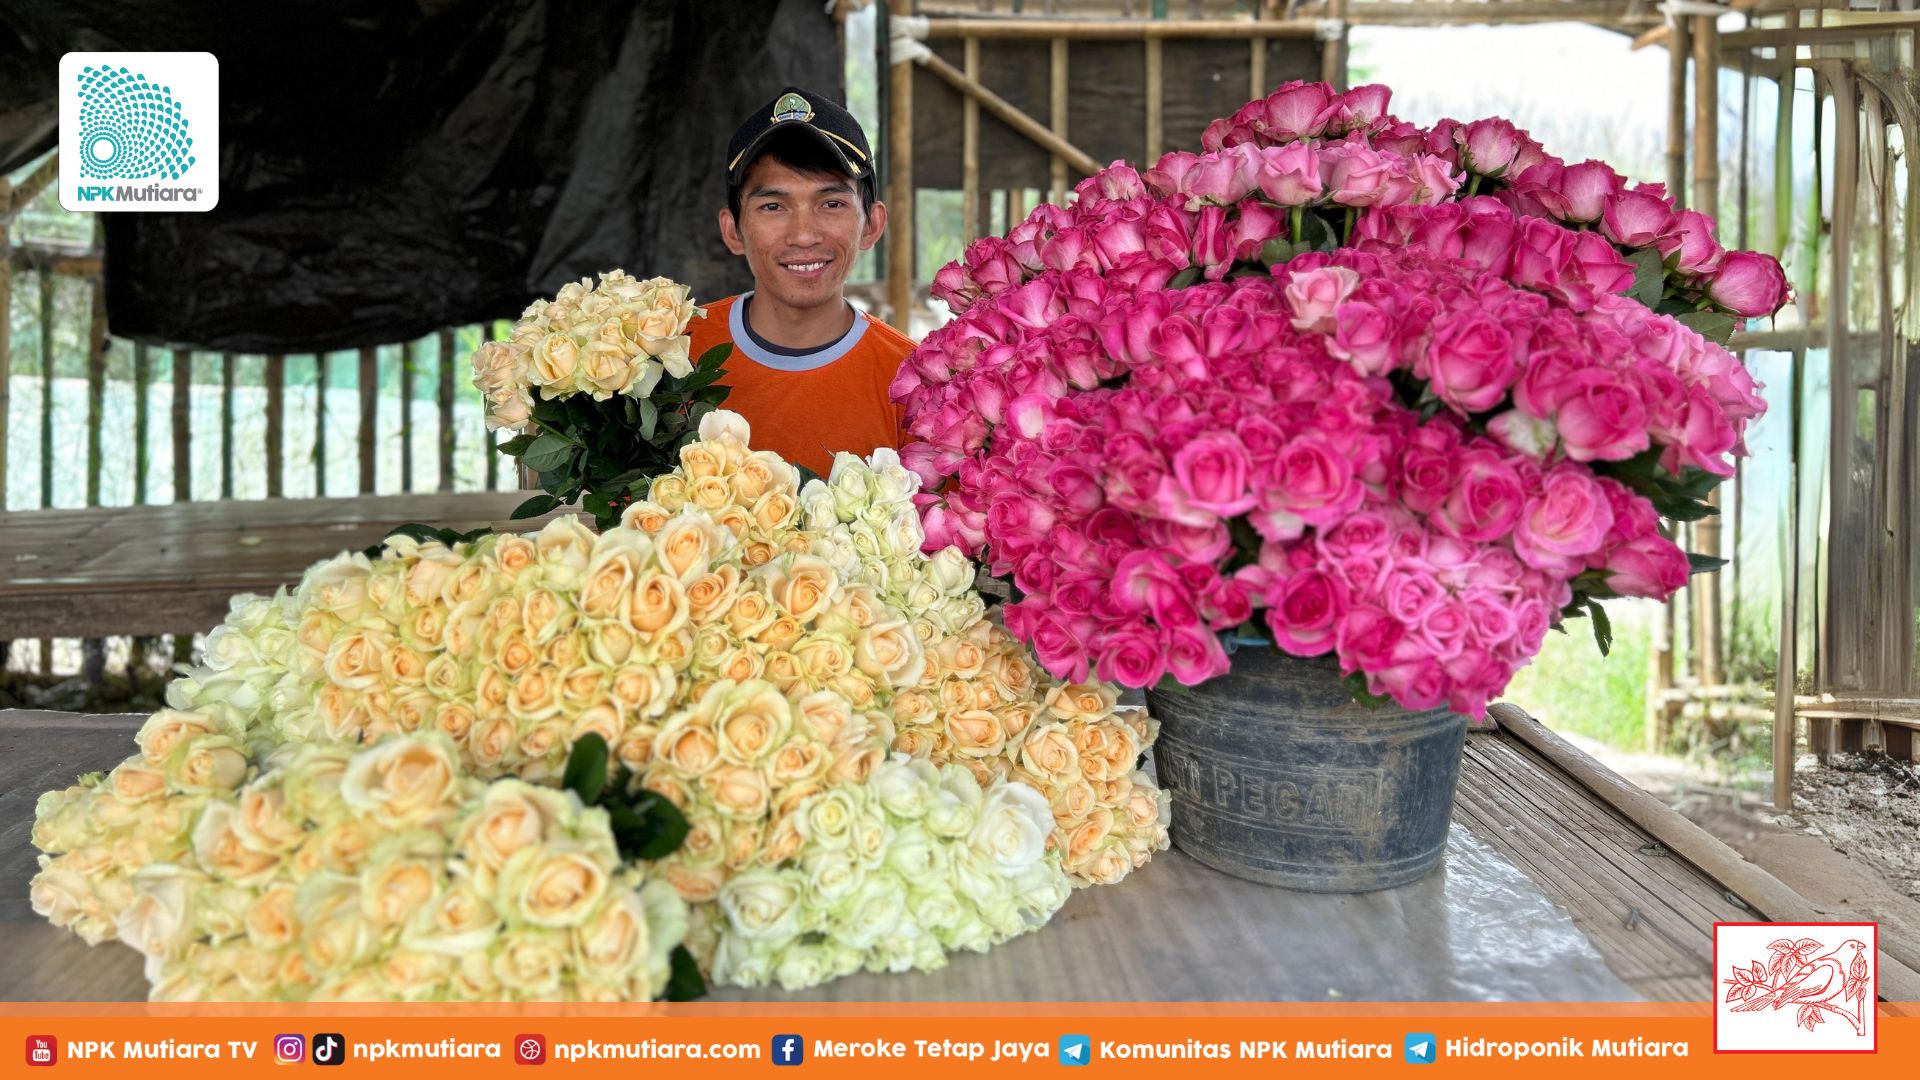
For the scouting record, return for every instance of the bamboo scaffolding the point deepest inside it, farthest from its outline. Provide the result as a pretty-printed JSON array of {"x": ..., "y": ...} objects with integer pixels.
[
  {"x": 1156, "y": 99},
  {"x": 1058, "y": 112},
  {"x": 319, "y": 424},
  {"x": 46, "y": 388},
  {"x": 1711, "y": 653},
  {"x": 228, "y": 372},
  {"x": 1037, "y": 29},
  {"x": 900, "y": 267},
  {"x": 6, "y": 339},
  {"x": 142, "y": 382},
  {"x": 1011, "y": 116},
  {"x": 182, "y": 425},
  {"x": 96, "y": 381},
  {"x": 369, "y": 441},
  {"x": 970, "y": 149},
  {"x": 445, "y": 342},
  {"x": 1679, "y": 48},
  {"x": 407, "y": 357}
]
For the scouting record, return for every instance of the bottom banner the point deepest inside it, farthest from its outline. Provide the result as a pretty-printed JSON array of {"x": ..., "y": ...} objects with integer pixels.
[{"x": 211, "y": 1041}]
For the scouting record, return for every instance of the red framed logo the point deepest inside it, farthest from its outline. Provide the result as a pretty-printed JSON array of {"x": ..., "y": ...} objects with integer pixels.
[{"x": 1796, "y": 988}]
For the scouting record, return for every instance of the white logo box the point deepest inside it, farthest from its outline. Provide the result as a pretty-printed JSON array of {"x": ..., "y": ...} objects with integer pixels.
[
  {"x": 139, "y": 132},
  {"x": 1808, "y": 988}
]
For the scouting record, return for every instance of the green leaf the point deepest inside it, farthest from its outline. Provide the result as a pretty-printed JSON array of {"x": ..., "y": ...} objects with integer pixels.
[
  {"x": 1703, "y": 564},
  {"x": 1317, "y": 234},
  {"x": 1186, "y": 277},
  {"x": 664, "y": 825},
  {"x": 1356, "y": 683},
  {"x": 596, "y": 504},
  {"x": 548, "y": 453},
  {"x": 685, "y": 982},
  {"x": 535, "y": 506},
  {"x": 1649, "y": 277},
  {"x": 713, "y": 394},
  {"x": 700, "y": 378},
  {"x": 715, "y": 356},
  {"x": 1711, "y": 325},
  {"x": 1602, "y": 627},
  {"x": 1273, "y": 253},
  {"x": 586, "y": 773},
  {"x": 1685, "y": 509},
  {"x": 517, "y": 445},
  {"x": 649, "y": 418},
  {"x": 807, "y": 476}
]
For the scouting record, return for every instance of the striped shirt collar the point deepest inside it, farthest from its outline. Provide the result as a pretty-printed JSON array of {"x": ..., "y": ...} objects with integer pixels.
[{"x": 745, "y": 342}]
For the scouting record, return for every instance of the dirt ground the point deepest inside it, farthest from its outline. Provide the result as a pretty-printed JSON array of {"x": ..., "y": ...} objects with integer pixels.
[{"x": 1851, "y": 845}]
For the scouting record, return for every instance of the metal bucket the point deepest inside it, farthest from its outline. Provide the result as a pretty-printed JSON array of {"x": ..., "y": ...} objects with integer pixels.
[{"x": 1279, "y": 777}]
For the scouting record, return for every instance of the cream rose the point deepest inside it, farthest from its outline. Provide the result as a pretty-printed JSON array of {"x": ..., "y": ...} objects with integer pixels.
[
  {"x": 889, "y": 652},
  {"x": 763, "y": 905},
  {"x": 403, "y": 783},
  {"x": 553, "y": 885}
]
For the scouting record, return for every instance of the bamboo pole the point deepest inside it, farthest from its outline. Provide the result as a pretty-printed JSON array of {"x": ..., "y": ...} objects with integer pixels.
[
  {"x": 227, "y": 373},
  {"x": 1156, "y": 89},
  {"x": 970, "y": 149},
  {"x": 1011, "y": 116},
  {"x": 96, "y": 385},
  {"x": 1842, "y": 397},
  {"x": 1004, "y": 29},
  {"x": 1787, "y": 658},
  {"x": 47, "y": 281},
  {"x": 6, "y": 333},
  {"x": 407, "y": 353},
  {"x": 142, "y": 382},
  {"x": 369, "y": 417},
  {"x": 182, "y": 425},
  {"x": 1058, "y": 113},
  {"x": 320, "y": 425},
  {"x": 1706, "y": 199},
  {"x": 1783, "y": 167},
  {"x": 276, "y": 419},
  {"x": 1679, "y": 47},
  {"x": 900, "y": 268},
  {"x": 1256, "y": 68},
  {"x": 1333, "y": 51},
  {"x": 445, "y": 341}
]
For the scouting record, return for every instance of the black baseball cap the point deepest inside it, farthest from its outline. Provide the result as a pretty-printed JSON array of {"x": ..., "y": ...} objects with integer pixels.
[{"x": 797, "y": 110}]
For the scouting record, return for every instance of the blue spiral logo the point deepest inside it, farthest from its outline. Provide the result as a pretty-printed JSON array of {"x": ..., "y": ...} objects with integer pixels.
[{"x": 130, "y": 127}]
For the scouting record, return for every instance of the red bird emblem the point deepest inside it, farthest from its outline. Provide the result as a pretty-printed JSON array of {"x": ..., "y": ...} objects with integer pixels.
[{"x": 1831, "y": 983}]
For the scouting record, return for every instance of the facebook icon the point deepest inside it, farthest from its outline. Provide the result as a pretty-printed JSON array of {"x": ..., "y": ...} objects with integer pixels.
[{"x": 789, "y": 1050}]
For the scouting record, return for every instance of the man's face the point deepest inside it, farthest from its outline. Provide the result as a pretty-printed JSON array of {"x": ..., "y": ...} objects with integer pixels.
[{"x": 800, "y": 232}]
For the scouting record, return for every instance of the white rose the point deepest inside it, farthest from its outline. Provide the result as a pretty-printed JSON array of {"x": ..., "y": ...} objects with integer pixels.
[
  {"x": 763, "y": 905},
  {"x": 817, "y": 512},
  {"x": 1013, "y": 826},
  {"x": 872, "y": 912},
  {"x": 902, "y": 785},
  {"x": 404, "y": 782},
  {"x": 458, "y": 922},
  {"x": 950, "y": 571},
  {"x": 724, "y": 425},
  {"x": 832, "y": 876},
  {"x": 803, "y": 965},
  {"x": 954, "y": 803},
  {"x": 155, "y": 923}
]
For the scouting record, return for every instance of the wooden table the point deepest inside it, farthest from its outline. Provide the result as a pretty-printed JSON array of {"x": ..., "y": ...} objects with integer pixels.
[
  {"x": 1548, "y": 893},
  {"x": 171, "y": 569}
]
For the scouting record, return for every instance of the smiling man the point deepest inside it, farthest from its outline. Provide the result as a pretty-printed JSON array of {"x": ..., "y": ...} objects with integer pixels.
[{"x": 808, "y": 371}]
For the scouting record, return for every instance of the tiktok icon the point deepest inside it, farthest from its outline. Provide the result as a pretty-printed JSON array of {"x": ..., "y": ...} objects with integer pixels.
[{"x": 329, "y": 1049}]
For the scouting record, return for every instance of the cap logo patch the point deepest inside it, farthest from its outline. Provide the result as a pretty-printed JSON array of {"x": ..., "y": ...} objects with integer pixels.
[{"x": 792, "y": 107}]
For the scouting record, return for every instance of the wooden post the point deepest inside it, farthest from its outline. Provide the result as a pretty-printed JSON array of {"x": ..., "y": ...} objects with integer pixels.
[
  {"x": 96, "y": 380},
  {"x": 970, "y": 150},
  {"x": 182, "y": 425},
  {"x": 369, "y": 417},
  {"x": 47, "y": 282},
  {"x": 276, "y": 419},
  {"x": 407, "y": 356},
  {"x": 1333, "y": 51},
  {"x": 445, "y": 340},
  {"x": 900, "y": 267},
  {"x": 1783, "y": 161},
  {"x": 1156, "y": 101},
  {"x": 1059, "y": 118},
  {"x": 227, "y": 373},
  {"x": 1256, "y": 64},
  {"x": 1012, "y": 117},
  {"x": 320, "y": 425},
  {"x": 142, "y": 383},
  {"x": 1679, "y": 45},
  {"x": 1706, "y": 199},
  {"x": 6, "y": 334}
]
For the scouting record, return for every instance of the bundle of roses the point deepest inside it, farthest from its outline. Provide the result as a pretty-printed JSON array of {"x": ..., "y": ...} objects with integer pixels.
[
  {"x": 602, "y": 372},
  {"x": 1415, "y": 395},
  {"x": 741, "y": 677},
  {"x": 330, "y": 873}
]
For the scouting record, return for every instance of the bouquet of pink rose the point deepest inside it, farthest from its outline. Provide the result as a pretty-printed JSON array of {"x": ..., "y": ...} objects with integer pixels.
[{"x": 1417, "y": 395}]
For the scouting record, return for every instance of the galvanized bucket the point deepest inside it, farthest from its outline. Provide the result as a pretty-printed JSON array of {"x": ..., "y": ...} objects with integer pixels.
[{"x": 1279, "y": 777}]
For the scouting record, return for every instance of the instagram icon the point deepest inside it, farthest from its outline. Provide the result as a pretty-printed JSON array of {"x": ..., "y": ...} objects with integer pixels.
[{"x": 289, "y": 1049}]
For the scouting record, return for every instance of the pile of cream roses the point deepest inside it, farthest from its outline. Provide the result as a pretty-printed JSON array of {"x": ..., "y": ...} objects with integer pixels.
[
  {"x": 619, "y": 337},
  {"x": 873, "y": 773}
]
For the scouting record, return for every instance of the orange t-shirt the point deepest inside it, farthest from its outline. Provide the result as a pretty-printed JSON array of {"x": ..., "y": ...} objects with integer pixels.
[{"x": 808, "y": 406}]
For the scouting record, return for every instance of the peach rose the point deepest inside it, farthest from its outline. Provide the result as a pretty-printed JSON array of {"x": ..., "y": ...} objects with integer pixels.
[
  {"x": 712, "y": 594},
  {"x": 738, "y": 792},
  {"x": 658, "y": 606},
  {"x": 804, "y": 586}
]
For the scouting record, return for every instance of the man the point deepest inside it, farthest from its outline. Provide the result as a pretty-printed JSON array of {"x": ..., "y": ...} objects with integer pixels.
[{"x": 808, "y": 371}]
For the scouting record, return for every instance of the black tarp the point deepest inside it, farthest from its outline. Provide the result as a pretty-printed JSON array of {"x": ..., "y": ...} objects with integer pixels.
[{"x": 389, "y": 167}]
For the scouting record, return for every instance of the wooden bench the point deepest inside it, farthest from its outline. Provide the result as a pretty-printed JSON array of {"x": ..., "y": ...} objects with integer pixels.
[{"x": 172, "y": 569}]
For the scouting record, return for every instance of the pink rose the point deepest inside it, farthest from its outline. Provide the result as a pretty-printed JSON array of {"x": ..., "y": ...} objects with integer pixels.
[
  {"x": 1212, "y": 472},
  {"x": 1305, "y": 612},
  {"x": 1363, "y": 337},
  {"x": 1749, "y": 284},
  {"x": 1586, "y": 189},
  {"x": 1314, "y": 295},
  {"x": 1355, "y": 174},
  {"x": 1651, "y": 566},
  {"x": 1600, "y": 418},
  {"x": 1564, "y": 522},
  {"x": 1636, "y": 219},
  {"x": 1132, "y": 657},
  {"x": 1366, "y": 638},
  {"x": 1486, "y": 501},
  {"x": 1223, "y": 177},
  {"x": 952, "y": 286},
  {"x": 1194, "y": 656},
  {"x": 1290, "y": 175},
  {"x": 1700, "y": 253},
  {"x": 1298, "y": 110},
  {"x": 1312, "y": 483},
  {"x": 1169, "y": 176},
  {"x": 1488, "y": 146},
  {"x": 1471, "y": 361}
]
